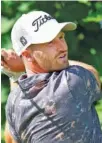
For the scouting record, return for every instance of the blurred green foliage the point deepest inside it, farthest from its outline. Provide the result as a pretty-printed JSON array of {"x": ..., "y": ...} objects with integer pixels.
[{"x": 85, "y": 44}]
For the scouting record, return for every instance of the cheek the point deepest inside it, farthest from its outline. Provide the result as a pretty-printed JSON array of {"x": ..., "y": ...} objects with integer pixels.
[{"x": 51, "y": 53}]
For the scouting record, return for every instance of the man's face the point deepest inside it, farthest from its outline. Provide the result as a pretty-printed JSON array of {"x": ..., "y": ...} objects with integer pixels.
[{"x": 51, "y": 56}]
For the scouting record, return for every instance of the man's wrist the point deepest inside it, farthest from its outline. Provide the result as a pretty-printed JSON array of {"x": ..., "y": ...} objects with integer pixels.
[{"x": 12, "y": 75}]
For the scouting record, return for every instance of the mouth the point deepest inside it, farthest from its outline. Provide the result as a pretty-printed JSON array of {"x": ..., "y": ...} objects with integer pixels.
[{"x": 62, "y": 56}]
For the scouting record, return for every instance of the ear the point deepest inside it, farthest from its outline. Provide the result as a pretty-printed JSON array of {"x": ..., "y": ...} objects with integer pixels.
[{"x": 26, "y": 54}]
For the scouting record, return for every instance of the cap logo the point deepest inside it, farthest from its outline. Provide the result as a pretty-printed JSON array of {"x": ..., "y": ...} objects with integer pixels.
[
  {"x": 40, "y": 21},
  {"x": 23, "y": 41}
]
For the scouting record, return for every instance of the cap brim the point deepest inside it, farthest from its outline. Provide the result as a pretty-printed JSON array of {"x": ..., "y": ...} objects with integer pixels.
[
  {"x": 48, "y": 34},
  {"x": 68, "y": 26}
]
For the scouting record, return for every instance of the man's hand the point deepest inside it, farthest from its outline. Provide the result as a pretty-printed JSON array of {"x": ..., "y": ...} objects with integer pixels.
[{"x": 11, "y": 61}]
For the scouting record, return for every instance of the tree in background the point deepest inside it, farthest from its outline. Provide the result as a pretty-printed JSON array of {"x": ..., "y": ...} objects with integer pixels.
[{"x": 85, "y": 44}]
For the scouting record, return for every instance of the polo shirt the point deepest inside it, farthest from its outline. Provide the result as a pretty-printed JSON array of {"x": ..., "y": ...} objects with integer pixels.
[{"x": 55, "y": 107}]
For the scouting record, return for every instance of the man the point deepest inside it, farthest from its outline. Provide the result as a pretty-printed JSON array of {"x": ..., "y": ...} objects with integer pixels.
[{"x": 54, "y": 100}]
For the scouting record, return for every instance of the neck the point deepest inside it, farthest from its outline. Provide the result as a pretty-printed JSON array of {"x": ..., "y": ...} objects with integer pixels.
[{"x": 34, "y": 69}]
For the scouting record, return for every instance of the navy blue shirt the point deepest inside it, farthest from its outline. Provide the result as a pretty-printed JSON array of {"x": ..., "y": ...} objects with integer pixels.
[{"x": 55, "y": 107}]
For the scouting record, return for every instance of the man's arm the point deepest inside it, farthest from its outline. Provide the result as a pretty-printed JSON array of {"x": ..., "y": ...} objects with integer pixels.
[
  {"x": 8, "y": 137},
  {"x": 12, "y": 66},
  {"x": 88, "y": 67}
]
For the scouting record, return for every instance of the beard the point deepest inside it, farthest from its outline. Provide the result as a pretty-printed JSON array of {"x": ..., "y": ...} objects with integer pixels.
[
  {"x": 58, "y": 65},
  {"x": 49, "y": 63}
]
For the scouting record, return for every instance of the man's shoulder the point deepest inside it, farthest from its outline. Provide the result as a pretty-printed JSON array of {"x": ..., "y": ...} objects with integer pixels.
[
  {"x": 80, "y": 72},
  {"x": 76, "y": 69}
]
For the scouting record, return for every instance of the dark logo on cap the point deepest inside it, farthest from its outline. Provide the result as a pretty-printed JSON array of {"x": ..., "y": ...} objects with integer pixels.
[
  {"x": 40, "y": 21},
  {"x": 23, "y": 41}
]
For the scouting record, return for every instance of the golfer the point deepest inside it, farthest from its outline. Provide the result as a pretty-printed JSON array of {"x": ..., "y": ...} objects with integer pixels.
[{"x": 53, "y": 102}]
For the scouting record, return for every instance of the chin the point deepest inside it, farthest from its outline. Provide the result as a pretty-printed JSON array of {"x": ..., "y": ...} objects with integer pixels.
[
  {"x": 64, "y": 67},
  {"x": 61, "y": 67}
]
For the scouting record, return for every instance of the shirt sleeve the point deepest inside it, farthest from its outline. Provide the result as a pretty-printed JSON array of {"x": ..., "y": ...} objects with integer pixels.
[
  {"x": 10, "y": 117},
  {"x": 85, "y": 82},
  {"x": 92, "y": 87}
]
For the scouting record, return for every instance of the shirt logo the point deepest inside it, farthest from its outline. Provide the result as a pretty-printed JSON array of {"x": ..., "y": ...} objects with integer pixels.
[
  {"x": 23, "y": 41},
  {"x": 40, "y": 21}
]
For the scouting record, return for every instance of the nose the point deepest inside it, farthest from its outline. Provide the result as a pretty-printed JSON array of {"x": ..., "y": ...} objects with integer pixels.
[{"x": 61, "y": 44}]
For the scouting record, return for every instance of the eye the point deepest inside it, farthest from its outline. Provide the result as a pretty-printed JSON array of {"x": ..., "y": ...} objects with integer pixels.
[
  {"x": 62, "y": 36},
  {"x": 50, "y": 42}
]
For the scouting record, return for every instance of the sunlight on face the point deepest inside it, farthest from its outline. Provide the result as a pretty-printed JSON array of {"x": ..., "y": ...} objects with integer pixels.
[{"x": 53, "y": 55}]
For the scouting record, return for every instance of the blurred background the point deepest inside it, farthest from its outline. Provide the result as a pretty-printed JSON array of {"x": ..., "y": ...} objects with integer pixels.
[{"x": 85, "y": 44}]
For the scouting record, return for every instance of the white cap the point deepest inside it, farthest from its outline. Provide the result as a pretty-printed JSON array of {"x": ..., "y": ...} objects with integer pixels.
[{"x": 35, "y": 28}]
